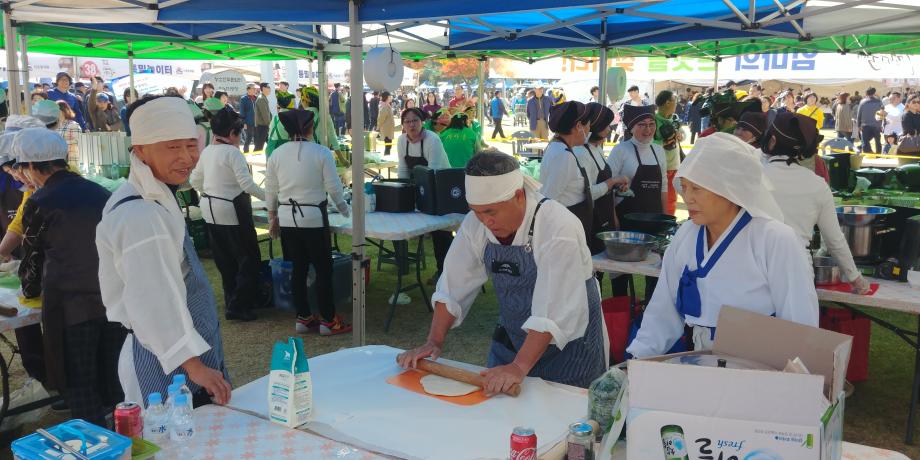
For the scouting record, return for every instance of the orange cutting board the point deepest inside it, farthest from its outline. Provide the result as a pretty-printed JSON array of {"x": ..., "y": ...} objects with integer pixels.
[{"x": 411, "y": 380}]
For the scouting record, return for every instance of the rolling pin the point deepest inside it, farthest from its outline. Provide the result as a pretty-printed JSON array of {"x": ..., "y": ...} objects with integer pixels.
[{"x": 460, "y": 375}]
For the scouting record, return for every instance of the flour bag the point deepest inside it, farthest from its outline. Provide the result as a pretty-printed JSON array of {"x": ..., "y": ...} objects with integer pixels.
[{"x": 290, "y": 390}]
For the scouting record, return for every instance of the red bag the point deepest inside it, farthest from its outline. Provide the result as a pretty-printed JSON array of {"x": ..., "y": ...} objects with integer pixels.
[
  {"x": 616, "y": 317},
  {"x": 860, "y": 328}
]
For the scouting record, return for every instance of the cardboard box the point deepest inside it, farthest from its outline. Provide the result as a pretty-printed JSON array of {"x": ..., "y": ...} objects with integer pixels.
[{"x": 701, "y": 413}]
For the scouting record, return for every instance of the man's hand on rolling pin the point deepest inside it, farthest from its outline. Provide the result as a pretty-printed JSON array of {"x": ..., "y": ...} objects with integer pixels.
[
  {"x": 499, "y": 379},
  {"x": 409, "y": 359}
]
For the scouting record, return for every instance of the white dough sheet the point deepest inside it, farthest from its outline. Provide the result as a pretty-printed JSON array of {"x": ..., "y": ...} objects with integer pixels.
[{"x": 353, "y": 404}]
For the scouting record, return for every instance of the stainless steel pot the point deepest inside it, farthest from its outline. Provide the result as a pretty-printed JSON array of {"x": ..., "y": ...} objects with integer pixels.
[
  {"x": 859, "y": 226},
  {"x": 628, "y": 246},
  {"x": 826, "y": 271}
]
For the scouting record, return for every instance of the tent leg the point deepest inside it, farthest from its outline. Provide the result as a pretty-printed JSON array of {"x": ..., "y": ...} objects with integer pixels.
[
  {"x": 481, "y": 92},
  {"x": 12, "y": 64},
  {"x": 290, "y": 74},
  {"x": 602, "y": 77},
  {"x": 323, "y": 99},
  {"x": 131, "y": 73},
  {"x": 359, "y": 337},
  {"x": 24, "y": 55}
]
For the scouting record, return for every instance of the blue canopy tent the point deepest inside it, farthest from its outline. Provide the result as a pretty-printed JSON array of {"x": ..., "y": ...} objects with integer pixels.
[{"x": 438, "y": 28}]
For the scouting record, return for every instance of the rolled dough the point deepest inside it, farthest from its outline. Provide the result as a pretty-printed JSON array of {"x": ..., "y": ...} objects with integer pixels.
[{"x": 443, "y": 386}]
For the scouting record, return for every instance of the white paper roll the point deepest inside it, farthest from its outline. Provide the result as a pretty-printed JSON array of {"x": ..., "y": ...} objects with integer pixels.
[{"x": 383, "y": 69}]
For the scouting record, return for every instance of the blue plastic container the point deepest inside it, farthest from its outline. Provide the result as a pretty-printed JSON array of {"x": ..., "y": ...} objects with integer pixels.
[{"x": 94, "y": 442}]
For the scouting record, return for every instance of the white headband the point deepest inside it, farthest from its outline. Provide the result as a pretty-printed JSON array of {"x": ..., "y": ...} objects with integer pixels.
[
  {"x": 484, "y": 190},
  {"x": 162, "y": 119}
]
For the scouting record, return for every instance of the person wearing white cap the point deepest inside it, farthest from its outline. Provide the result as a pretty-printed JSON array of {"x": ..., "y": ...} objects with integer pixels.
[
  {"x": 735, "y": 251},
  {"x": 534, "y": 250},
  {"x": 60, "y": 265},
  {"x": 12, "y": 239},
  {"x": 151, "y": 278}
]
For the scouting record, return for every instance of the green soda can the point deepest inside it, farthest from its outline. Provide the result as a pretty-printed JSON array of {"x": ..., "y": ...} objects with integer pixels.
[{"x": 672, "y": 440}]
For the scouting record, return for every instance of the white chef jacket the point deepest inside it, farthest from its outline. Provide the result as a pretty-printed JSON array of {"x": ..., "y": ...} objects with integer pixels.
[
  {"x": 560, "y": 298},
  {"x": 806, "y": 201},
  {"x": 893, "y": 119},
  {"x": 622, "y": 161},
  {"x": 305, "y": 172},
  {"x": 594, "y": 157},
  {"x": 765, "y": 270},
  {"x": 559, "y": 174},
  {"x": 141, "y": 269},
  {"x": 434, "y": 152},
  {"x": 222, "y": 173}
]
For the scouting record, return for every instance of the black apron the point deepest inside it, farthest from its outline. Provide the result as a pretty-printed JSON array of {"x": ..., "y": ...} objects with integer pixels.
[
  {"x": 603, "y": 207},
  {"x": 412, "y": 162},
  {"x": 584, "y": 210},
  {"x": 646, "y": 185}
]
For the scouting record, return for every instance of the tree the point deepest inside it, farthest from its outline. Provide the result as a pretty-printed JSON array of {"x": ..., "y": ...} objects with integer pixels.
[{"x": 464, "y": 69}]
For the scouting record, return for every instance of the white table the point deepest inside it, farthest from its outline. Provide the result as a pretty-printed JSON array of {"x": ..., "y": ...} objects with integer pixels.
[
  {"x": 24, "y": 317},
  {"x": 891, "y": 295},
  {"x": 353, "y": 404}
]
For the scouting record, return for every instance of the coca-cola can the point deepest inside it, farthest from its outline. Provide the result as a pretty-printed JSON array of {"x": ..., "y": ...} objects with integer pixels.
[
  {"x": 523, "y": 444},
  {"x": 128, "y": 420}
]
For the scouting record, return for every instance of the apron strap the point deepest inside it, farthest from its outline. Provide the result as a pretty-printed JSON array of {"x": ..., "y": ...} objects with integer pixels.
[
  {"x": 533, "y": 221},
  {"x": 652, "y": 148},
  {"x": 297, "y": 207},
  {"x": 211, "y": 205}
]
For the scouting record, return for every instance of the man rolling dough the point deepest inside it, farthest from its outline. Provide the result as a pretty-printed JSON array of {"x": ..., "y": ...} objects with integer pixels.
[{"x": 534, "y": 249}]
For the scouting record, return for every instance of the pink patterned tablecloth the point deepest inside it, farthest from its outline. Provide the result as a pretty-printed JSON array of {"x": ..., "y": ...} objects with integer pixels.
[
  {"x": 858, "y": 452},
  {"x": 227, "y": 434}
]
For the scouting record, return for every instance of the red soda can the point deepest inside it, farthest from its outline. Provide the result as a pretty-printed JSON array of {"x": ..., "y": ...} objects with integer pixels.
[
  {"x": 128, "y": 420},
  {"x": 523, "y": 444}
]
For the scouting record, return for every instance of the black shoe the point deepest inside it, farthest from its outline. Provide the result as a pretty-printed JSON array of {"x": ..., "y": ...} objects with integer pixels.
[
  {"x": 60, "y": 406},
  {"x": 240, "y": 315}
]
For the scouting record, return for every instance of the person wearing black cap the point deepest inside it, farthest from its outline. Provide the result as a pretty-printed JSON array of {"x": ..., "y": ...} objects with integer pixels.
[
  {"x": 725, "y": 115},
  {"x": 62, "y": 93},
  {"x": 643, "y": 163},
  {"x": 562, "y": 171},
  {"x": 226, "y": 186},
  {"x": 600, "y": 118},
  {"x": 806, "y": 200},
  {"x": 750, "y": 127},
  {"x": 299, "y": 175}
]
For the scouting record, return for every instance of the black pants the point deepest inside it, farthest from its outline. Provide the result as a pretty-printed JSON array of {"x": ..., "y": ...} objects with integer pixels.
[
  {"x": 868, "y": 134},
  {"x": 441, "y": 241},
  {"x": 236, "y": 254},
  {"x": 619, "y": 286},
  {"x": 261, "y": 136},
  {"x": 386, "y": 149},
  {"x": 250, "y": 138},
  {"x": 844, "y": 134},
  {"x": 305, "y": 247},
  {"x": 498, "y": 128},
  {"x": 32, "y": 351},
  {"x": 91, "y": 350},
  {"x": 693, "y": 137}
]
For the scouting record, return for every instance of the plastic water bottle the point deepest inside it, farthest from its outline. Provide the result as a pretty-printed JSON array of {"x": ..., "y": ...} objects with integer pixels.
[
  {"x": 156, "y": 420},
  {"x": 180, "y": 380},
  {"x": 171, "y": 392},
  {"x": 181, "y": 422}
]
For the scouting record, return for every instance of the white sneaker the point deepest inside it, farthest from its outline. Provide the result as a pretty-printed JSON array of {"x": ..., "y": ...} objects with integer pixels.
[{"x": 300, "y": 328}]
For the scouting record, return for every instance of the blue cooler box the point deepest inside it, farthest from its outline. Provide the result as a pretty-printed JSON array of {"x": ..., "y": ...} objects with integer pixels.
[{"x": 94, "y": 442}]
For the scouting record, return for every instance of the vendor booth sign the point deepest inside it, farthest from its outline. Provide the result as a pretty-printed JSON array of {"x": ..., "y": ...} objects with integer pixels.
[
  {"x": 228, "y": 81},
  {"x": 679, "y": 411}
]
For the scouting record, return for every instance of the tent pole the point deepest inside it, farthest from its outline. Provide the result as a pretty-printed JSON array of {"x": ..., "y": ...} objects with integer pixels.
[
  {"x": 602, "y": 77},
  {"x": 323, "y": 99},
  {"x": 357, "y": 175},
  {"x": 268, "y": 76},
  {"x": 131, "y": 72},
  {"x": 290, "y": 74},
  {"x": 24, "y": 56},
  {"x": 310, "y": 74},
  {"x": 12, "y": 64},
  {"x": 715, "y": 81},
  {"x": 482, "y": 87}
]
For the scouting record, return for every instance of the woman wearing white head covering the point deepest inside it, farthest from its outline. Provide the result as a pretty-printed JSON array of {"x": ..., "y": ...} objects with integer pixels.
[{"x": 736, "y": 251}]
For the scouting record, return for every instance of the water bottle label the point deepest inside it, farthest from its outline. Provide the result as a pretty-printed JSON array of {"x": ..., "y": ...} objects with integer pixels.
[{"x": 674, "y": 446}]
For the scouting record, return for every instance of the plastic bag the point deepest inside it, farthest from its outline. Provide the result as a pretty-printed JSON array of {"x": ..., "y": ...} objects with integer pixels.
[
  {"x": 603, "y": 396},
  {"x": 31, "y": 391}
]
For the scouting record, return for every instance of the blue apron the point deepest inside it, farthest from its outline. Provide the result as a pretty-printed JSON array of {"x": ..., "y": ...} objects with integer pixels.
[
  {"x": 202, "y": 307},
  {"x": 514, "y": 275},
  {"x": 688, "y": 293}
]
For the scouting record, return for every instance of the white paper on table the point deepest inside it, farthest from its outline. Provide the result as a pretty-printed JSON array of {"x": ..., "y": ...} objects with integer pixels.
[{"x": 354, "y": 404}]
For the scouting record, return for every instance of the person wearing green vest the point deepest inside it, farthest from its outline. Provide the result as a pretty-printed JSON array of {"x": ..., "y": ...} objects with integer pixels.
[
  {"x": 460, "y": 141},
  {"x": 309, "y": 100},
  {"x": 668, "y": 135}
]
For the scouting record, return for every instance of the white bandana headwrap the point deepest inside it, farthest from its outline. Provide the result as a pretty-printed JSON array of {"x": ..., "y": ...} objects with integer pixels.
[
  {"x": 162, "y": 119},
  {"x": 485, "y": 190}
]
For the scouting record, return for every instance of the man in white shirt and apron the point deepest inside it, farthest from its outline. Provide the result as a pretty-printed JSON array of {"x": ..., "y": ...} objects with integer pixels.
[
  {"x": 226, "y": 186},
  {"x": 550, "y": 324},
  {"x": 149, "y": 274}
]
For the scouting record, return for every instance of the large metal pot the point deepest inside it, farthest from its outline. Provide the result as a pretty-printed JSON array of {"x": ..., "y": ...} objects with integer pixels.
[
  {"x": 628, "y": 246},
  {"x": 857, "y": 223},
  {"x": 876, "y": 176},
  {"x": 648, "y": 222},
  {"x": 909, "y": 176},
  {"x": 826, "y": 271}
]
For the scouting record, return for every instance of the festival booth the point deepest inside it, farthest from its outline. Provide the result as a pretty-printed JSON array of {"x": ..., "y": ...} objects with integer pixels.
[{"x": 356, "y": 402}]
